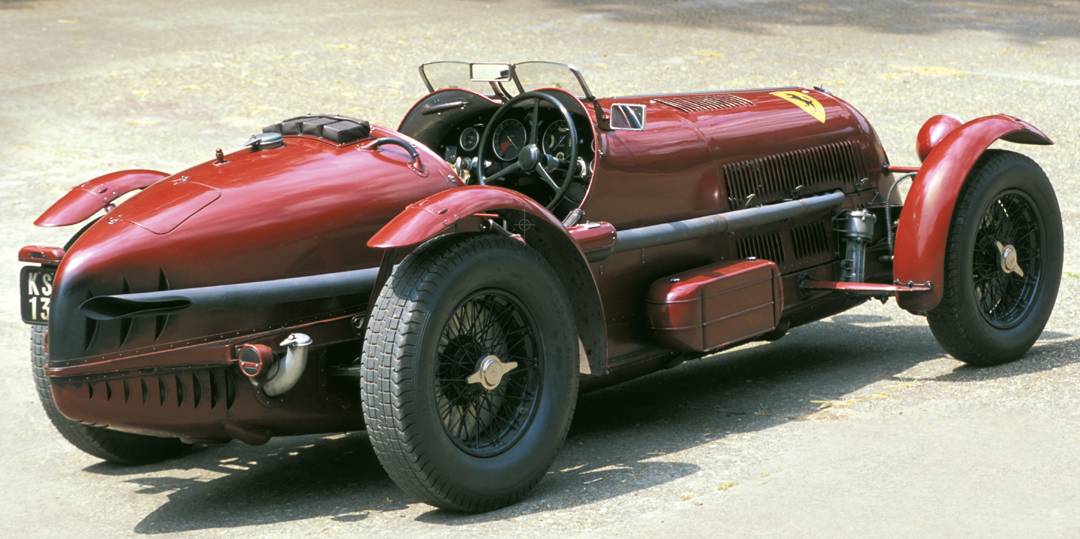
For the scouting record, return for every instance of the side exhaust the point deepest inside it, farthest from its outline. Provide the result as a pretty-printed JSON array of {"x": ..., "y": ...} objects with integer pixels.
[
  {"x": 711, "y": 225},
  {"x": 230, "y": 296}
]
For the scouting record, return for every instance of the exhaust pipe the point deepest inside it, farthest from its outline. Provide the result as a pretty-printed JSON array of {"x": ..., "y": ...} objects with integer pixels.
[
  {"x": 275, "y": 377},
  {"x": 711, "y": 225},
  {"x": 292, "y": 367},
  {"x": 230, "y": 296}
]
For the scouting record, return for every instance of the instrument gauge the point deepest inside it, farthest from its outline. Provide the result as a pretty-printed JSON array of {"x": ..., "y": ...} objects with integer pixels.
[
  {"x": 470, "y": 139},
  {"x": 557, "y": 140},
  {"x": 509, "y": 139}
]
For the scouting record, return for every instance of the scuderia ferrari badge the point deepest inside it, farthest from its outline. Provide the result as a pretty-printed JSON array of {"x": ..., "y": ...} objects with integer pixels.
[{"x": 805, "y": 102}]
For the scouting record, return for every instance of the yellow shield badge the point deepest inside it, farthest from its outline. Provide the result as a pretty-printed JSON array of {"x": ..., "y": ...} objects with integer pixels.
[{"x": 805, "y": 102}]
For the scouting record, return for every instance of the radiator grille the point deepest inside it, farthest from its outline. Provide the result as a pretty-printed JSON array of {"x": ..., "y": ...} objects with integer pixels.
[
  {"x": 775, "y": 176},
  {"x": 763, "y": 247},
  {"x": 702, "y": 103},
  {"x": 809, "y": 240}
]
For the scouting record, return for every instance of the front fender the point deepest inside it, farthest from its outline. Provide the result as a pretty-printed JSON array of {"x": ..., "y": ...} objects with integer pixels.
[
  {"x": 437, "y": 213},
  {"x": 924, "y": 223},
  {"x": 86, "y": 199}
]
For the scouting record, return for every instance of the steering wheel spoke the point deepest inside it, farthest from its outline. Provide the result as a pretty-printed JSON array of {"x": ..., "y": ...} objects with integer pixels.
[
  {"x": 547, "y": 178},
  {"x": 512, "y": 167},
  {"x": 535, "y": 123}
]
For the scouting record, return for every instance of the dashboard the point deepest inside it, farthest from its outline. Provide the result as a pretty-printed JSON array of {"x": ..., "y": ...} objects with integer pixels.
[
  {"x": 457, "y": 125},
  {"x": 461, "y": 148}
]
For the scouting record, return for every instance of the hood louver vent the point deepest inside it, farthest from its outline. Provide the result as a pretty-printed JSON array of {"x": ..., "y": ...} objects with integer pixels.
[
  {"x": 809, "y": 240},
  {"x": 776, "y": 177},
  {"x": 702, "y": 103},
  {"x": 763, "y": 247}
]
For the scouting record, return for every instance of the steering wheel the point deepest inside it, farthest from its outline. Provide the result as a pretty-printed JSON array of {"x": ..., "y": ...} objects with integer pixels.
[{"x": 531, "y": 159}]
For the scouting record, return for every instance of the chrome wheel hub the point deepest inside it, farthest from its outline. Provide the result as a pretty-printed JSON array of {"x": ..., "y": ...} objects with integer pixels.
[
  {"x": 491, "y": 372},
  {"x": 1007, "y": 259}
]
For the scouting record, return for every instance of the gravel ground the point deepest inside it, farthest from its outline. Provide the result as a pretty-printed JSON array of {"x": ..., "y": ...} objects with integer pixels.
[{"x": 858, "y": 425}]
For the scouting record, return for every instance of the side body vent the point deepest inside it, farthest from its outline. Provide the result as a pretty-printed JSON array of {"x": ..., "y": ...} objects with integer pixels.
[
  {"x": 763, "y": 247},
  {"x": 809, "y": 240},
  {"x": 702, "y": 103},
  {"x": 775, "y": 177},
  {"x": 161, "y": 321},
  {"x": 192, "y": 389}
]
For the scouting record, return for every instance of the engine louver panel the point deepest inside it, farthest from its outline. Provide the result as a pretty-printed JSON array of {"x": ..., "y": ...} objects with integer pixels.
[
  {"x": 775, "y": 177},
  {"x": 809, "y": 240},
  {"x": 763, "y": 247},
  {"x": 702, "y": 103}
]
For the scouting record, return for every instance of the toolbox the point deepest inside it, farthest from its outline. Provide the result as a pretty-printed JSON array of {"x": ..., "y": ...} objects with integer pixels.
[{"x": 706, "y": 308}]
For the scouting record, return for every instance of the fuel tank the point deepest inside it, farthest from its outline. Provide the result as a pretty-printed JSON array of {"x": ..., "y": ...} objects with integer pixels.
[{"x": 300, "y": 208}]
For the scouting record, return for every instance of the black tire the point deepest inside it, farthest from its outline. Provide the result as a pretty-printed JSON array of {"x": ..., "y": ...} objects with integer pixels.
[
  {"x": 450, "y": 305},
  {"x": 991, "y": 314},
  {"x": 114, "y": 446}
]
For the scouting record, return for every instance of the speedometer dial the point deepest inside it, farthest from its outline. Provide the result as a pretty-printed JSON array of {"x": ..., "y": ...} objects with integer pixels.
[
  {"x": 557, "y": 140},
  {"x": 509, "y": 139}
]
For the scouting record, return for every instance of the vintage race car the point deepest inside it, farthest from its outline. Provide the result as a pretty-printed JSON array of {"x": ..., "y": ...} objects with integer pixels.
[{"x": 452, "y": 284}]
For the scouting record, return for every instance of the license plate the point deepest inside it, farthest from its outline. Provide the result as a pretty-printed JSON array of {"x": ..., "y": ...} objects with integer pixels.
[{"x": 36, "y": 283}]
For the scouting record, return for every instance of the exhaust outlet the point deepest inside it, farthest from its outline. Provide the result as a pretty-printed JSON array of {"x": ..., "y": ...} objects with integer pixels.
[
  {"x": 275, "y": 376},
  {"x": 291, "y": 367}
]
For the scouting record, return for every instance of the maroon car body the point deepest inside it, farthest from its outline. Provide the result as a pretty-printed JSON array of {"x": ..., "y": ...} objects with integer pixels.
[{"x": 666, "y": 227}]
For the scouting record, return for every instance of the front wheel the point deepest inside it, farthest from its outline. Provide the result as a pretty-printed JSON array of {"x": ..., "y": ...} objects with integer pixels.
[
  {"x": 113, "y": 446},
  {"x": 1002, "y": 262},
  {"x": 469, "y": 372}
]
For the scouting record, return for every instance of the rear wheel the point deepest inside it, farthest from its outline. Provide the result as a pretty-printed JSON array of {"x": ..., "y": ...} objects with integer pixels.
[
  {"x": 114, "y": 446},
  {"x": 469, "y": 375},
  {"x": 1002, "y": 262}
]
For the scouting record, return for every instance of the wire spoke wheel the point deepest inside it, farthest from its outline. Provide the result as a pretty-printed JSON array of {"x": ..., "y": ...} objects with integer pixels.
[
  {"x": 469, "y": 375},
  {"x": 481, "y": 421},
  {"x": 1003, "y": 262},
  {"x": 1004, "y": 297}
]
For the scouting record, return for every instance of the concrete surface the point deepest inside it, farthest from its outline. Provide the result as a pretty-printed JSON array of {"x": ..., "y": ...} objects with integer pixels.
[{"x": 857, "y": 426}]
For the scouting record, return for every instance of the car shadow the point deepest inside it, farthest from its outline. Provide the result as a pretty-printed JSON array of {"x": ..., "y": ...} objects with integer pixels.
[
  {"x": 622, "y": 436},
  {"x": 1053, "y": 350},
  {"x": 622, "y": 439},
  {"x": 290, "y": 478},
  {"x": 1021, "y": 21}
]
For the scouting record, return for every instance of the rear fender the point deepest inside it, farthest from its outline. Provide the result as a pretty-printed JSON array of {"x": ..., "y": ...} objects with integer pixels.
[
  {"x": 86, "y": 199},
  {"x": 440, "y": 212},
  {"x": 924, "y": 222},
  {"x": 436, "y": 214}
]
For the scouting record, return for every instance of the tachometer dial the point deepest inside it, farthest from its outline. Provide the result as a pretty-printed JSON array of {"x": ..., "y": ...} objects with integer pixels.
[
  {"x": 469, "y": 139},
  {"x": 557, "y": 140},
  {"x": 509, "y": 139}
]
